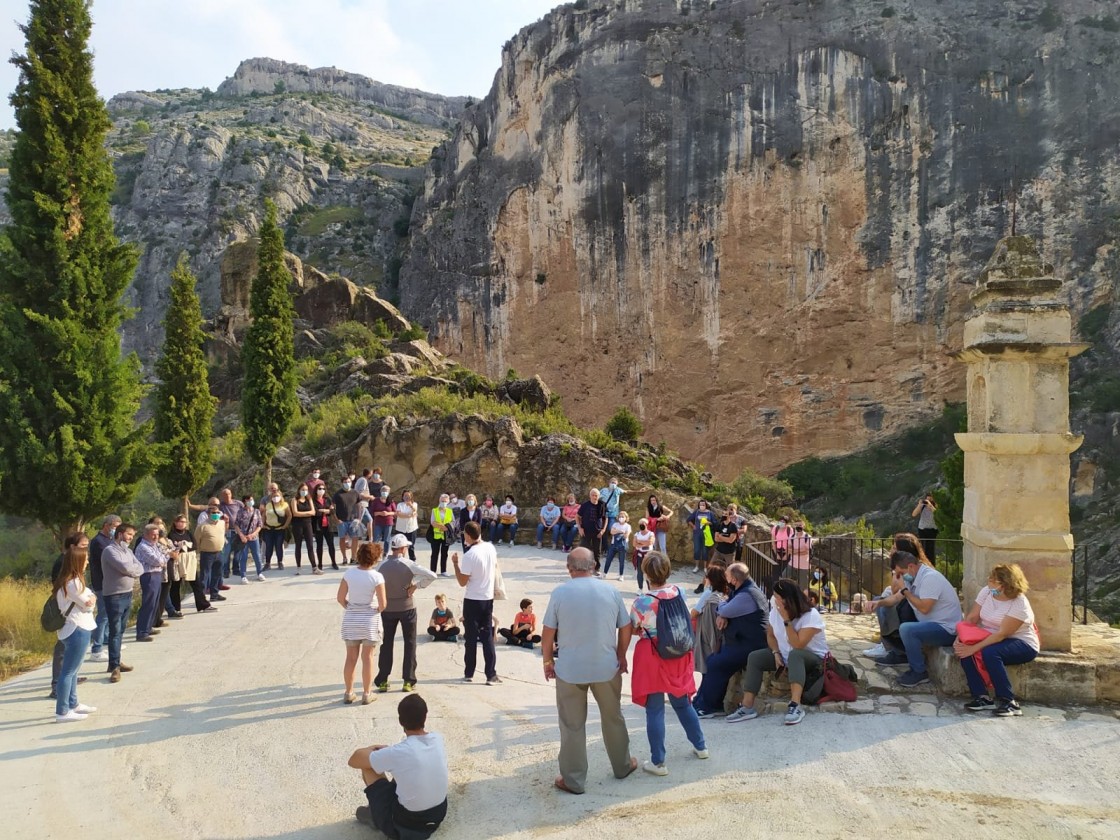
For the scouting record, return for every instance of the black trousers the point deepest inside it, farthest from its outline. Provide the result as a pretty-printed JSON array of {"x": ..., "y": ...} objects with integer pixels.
[
  {"x": 439, "y": 555},
  {"x": 592, "y": 543},
  {"x": 478, "y": 616},
  {"x": 321, "y": 537},
  {"x": 389, "y": 622},
  {"x": 301, "y": 536},
  {"x": 928, "y": 537}
]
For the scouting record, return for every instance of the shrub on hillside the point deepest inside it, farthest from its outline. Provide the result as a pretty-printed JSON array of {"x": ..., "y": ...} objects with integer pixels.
[{"x": 624, "y": 425}]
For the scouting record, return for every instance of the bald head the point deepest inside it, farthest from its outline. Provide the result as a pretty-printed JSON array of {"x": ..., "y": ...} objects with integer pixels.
[
  {"x": 581, "y": 561},
  {"x": 738, "y": 573}
]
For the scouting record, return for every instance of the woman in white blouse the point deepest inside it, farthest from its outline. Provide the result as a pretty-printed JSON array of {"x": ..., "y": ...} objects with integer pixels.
[
  {"x": 361, "y": 592},
  {"x": 1002, "y": 609},
  {"x": 507, "y": 521},
  {"x": 407, "y": 521},
  {"x": 77, "y": 604}
]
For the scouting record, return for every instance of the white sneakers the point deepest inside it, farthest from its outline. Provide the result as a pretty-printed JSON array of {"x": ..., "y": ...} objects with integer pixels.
[
  {"x": 244, "y": 580},
  {"x": 102, "y": 656},
  {"x": 260, "y": 577},
  {"x": 655, "y": 769},
  {"x": 69, "y": 717},
  {"x": 699, "y": 753},
  {"x": 83, "y": 709},
  {"x": 876, "y": 651}
]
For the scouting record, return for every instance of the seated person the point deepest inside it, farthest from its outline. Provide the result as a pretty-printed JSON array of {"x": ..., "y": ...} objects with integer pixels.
[
  {"x": 892, "y": 611},
  {"x": 524, "y": 625},
  {"x": 441, "y": 626},
  {"x": 823, "y": 589},
  {"x": 937, "y": 607},
  {"x": 412, "y": 804}
]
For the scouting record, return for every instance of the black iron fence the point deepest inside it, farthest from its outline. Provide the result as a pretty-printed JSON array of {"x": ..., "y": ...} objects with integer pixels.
[{"x": 857, "y": 565}]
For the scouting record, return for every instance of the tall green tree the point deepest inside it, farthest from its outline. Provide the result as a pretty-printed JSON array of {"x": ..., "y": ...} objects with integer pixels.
[
  {"x": 268, "y": 402},
  {"x": 70, "y": 449},
  {"x": 184, "y": 406}
]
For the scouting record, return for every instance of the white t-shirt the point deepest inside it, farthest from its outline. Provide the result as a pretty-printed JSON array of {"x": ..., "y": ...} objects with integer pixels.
[
  {"x": 645, "y": 541},
  {"x": 993, "y": 611},
  {"x": 479, "y": 563},
  {"x": 818, "y": 644},
  {"x": 507, "y": 510},
  {"x": 83, "y": 599},
  {"x": 362, "y": 586},
  {"x": 418, "y": 765},
  {"x": 621, "y": 529},
  {"x": 406, "y": 517}
]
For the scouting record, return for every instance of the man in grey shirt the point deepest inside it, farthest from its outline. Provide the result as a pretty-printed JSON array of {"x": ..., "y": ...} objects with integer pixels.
[
  {"x": 401, "y": 576},
  {"x": 595, "y": 628},
  {"x": 937, "y": 606},
  {"x": 121, "y": 569}
]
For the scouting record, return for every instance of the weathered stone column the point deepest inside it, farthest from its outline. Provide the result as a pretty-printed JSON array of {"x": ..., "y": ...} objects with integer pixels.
[{"x": 1016, "y": 451}]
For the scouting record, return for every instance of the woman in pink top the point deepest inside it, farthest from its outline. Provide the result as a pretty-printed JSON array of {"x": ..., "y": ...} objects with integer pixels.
[
  {"x": 569, "y": 516},
  {"x": 1003, "y": 610}
]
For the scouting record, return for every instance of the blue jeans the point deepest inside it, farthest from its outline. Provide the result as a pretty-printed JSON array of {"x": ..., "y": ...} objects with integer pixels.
[
  {"x": 916, "y": 634},
  {"x": 273, "y": 544},
  {"x": 510, "y": 530},
  {"x": 211, "y": 562},
  {"x": 568, "y": 533},
  {"x": 74, "y": 651},
  {"x": 149, "y": 600},
  {"x": 722, "y": 666},
  {"x": 382, "y": 534},
  {"x": 226, "y": 551},
  {"x": 611, "y": 519},
  {"x": 117, "y": 608},
  {"x": 616, "y": 549},
  {"x": 542, "y": 528},
  {"x": 253, "y": 546},
  {"x": 655, "y": 724},
  {"x": 661, "y": 537},
  {"x": 699, "y": 550},
  {"x": 1007, "y": 652},
  {"x": 100, "y": 633}
]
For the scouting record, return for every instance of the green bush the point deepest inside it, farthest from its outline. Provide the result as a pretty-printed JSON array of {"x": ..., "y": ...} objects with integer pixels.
[
  {"x": 351, "y": 338},
  {"x": 334, "y": 422},
  {"x": 1092, "y": 323},
  {"x": 414, "y": 333},
  {"x": 624, "y": 425}
]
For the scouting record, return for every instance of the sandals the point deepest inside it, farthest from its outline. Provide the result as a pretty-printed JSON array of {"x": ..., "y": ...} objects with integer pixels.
[
  {"x": 367, "y": 699},
  {"x": 348, "y": 697}
]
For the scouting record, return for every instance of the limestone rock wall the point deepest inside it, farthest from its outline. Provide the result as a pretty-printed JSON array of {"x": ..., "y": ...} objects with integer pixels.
[{"x": 757, "y": 223}]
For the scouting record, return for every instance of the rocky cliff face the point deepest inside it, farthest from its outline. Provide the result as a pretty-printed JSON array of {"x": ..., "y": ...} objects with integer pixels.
[{"x": 757, "y": 223}]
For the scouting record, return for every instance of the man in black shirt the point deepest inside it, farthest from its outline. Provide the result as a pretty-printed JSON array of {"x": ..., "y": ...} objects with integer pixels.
[
  {"x": 345, "y": 502},
  {"x": 592, "y": 523},
  {"x": 726, "y": 536}
]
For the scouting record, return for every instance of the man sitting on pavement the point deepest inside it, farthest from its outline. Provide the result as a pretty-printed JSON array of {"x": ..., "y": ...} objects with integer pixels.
[
  {"x": 412, "y": 804},
  {"x": 937, "y": 606}
]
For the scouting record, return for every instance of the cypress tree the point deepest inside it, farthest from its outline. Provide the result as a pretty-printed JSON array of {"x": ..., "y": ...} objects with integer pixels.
[
  {"x": 184, "y": 407},
  {"x": 268, "y": 402},
  {"x": 70, "y": 448}
]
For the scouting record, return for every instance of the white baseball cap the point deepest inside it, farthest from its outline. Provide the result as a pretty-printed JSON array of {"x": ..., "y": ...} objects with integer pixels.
[{"x": 399, "y": 541}]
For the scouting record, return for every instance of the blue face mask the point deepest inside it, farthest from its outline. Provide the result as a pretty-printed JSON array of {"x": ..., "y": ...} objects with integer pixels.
[
  {"x": 909, "y": 578},
  {"x": 993, "y": 591},
  {"x": 112, "y": 533}
]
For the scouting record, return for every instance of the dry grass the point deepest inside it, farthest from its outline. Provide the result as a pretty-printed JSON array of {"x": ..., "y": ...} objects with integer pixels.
[{"x": 23, "y": 642}]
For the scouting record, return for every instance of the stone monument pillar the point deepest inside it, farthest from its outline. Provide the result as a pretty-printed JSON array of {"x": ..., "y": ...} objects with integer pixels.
[{"x": 1017, "y": 447}]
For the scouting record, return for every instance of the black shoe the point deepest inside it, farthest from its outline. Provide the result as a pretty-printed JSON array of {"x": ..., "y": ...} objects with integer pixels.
[
  {"x": 699, "y": 588},
  {"x": 891, "y": 660},
  {"x": 53, "y": 695},
  {"x": 82, "y": 680},
  {"x": 1008, "y": 708},
  {"x": 175, "y": 615},
  {"x": 363, "y": 815},
  {"x": 217, "y": 597},
  {"x": 334, "y": 566},
  {"x": 146, "y": 639},
  {"x": 158, "y": 623},
  {"x": 209, "y": 608},
  {"x": 979, "y": 704}
]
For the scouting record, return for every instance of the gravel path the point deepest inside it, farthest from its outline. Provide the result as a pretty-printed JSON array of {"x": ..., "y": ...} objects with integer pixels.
[{"x": 231, "y": 726}]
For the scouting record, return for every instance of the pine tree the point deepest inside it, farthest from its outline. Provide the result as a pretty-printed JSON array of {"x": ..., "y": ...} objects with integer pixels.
[
  {"x": 268, "y": 402},
  {"x": 184, "y": 407},
  {"x": 70, "y": 448}
]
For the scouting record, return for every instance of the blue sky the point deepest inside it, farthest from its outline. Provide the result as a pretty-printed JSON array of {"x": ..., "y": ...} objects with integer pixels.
[{"x": 444, "y": 46}]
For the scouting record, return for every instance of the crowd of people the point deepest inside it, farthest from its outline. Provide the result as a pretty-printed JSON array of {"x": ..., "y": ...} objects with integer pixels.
[{"x": 737, "y": 626}]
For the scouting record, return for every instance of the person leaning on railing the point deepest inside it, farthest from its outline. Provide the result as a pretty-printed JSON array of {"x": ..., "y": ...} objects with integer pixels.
[{"x": 1001, "y": 609}]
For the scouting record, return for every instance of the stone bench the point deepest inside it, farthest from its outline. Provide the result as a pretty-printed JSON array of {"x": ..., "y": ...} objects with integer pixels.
[{"x": 1056, "y": 679}]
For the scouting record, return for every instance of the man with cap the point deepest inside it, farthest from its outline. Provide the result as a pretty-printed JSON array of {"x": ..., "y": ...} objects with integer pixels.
[{"x": 402, "y": 578}]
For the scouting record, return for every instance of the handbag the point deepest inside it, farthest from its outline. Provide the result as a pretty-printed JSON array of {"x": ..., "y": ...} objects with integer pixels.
[
  {"x": 837, "y": 685},
  {"x": 970, "y": 634},
  {"x": 499, "y": 584}
]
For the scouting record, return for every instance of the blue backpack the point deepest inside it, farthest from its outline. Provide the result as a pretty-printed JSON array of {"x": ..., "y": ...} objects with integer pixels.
[{"x": 674, "y": 628}]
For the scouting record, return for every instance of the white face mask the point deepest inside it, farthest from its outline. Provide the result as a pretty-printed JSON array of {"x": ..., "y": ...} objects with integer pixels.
[
  {"x": 276, "y": 499},
  {"x": 302, "y": 493},
  {"x": 314, "y": 475},
  {"x": 384, "y": 494},
  {"x": 443, "y": 504},
  {"x": 377, "y": 476}
]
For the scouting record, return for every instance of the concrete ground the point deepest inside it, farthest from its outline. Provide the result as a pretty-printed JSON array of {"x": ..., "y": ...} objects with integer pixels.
[{"x": 232, "y": 726}]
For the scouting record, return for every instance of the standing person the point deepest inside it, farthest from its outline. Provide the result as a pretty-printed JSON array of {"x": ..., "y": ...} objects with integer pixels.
[
  {"x": 441, "y": 518},
  {"x": 361, "y": 484},
  {"x": 361, "y": 592},
  {"x": 375, "y": 483},
  {"x": 183, "y": 540},
  {"x": 314, "y": 481},
  {"x": 229, "y": 507},
  {"x": 654, "y": 677},
  {"x": 97, "y": 546},
  {"x": 323, "y": 524},
  {"x": 619, "y": 545},
  {"x": 643, "y": 544},
  {"x": 76, "y": 603},
  {"x": 469, "y": 513},
  {"x": 489, "y": 517},
  {"x": 593, "y": 622},
  {"x": 592, "y": 524},
  {"x": 413, "y": 803},
  {"x": 658, "y": 516},
  {"x": 726, "y": 536},
  {"x": 277, "y": 514},
  {"x": 800, "y": 551},
  {"x": 59, "y": 652},
  {"x": 247, "y": 527},
  {"x": 569, "y": 524},
  {"x": 549, "y": 522},
  {"x": 345, "y": 500},
  {"x": 303, "y": 512},
  {"x": 384, "y": 511},
  {"x": 780, "y": 535},
  {"x": 1004, "y": 613},
  {"x": 702, "y": 540},
  {"x": 210, "y": 536},
  {"x": 121, "y": 570},
  {"x": 477, "y": 574},
  {"x": 400, "y": 575},
  {"x": 407, "y": 522},
  {"x": 610, "y": 495},
  {"x": 154, "y": 560},
  {"x": 927, "y": 525},
  {"x": 507, "y": 520}
]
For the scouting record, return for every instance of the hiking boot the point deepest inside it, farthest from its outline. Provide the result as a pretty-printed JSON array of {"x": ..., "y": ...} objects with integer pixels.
[
  {"x": 979, "y": 704},
  {"x": 1008, "y": 708}
]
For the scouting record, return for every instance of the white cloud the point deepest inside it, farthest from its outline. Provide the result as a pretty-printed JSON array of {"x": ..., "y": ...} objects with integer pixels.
[{"x": 445, "y": 46}]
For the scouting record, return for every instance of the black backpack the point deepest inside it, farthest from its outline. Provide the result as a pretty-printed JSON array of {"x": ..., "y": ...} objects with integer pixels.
[
  {"x": 52, "y": 618},
  {"x": 674, "y": 628}
]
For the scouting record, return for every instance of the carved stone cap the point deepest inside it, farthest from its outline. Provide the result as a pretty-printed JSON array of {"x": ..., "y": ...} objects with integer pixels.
[{"x": 1016, "y": 270}]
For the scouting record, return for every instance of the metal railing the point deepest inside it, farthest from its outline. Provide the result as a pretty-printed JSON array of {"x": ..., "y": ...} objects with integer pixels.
[{"x": 1089, "y": 560}]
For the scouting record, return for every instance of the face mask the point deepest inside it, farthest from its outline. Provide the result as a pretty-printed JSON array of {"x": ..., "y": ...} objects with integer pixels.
[
  {"x": 993, "y": 591},
  {"x": 252, "y": 503},
  {"x": 470, "y": 504},
  {"x": 319, "y": 491},
  {"x": 909, "y": 578},
  {"x": 816, "y": 575},
  {"x": 384, "y": 494},
  {"x": 442, "y": 505},
  {"x": 509, "y": 501},
  {"x": 112, "y": 533},
  {"x": 276, "y": 500},
  {"x": 346, "y": 485},
  {"x": 214, "y": 517},
  {"x": 314, "y": 475},
  {"x": 643, "y": 527},
  {"x": 377, "y": 476},
  {"x": 799, "y": 530},
  {"x": 302, "y": 493},
  {"x": 614, "y": 484}
]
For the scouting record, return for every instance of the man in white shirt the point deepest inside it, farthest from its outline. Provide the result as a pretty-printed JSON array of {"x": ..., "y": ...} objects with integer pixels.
[
  {"x": 477, "y": 575},
  {"x": 596, "y": 631},
  {"x": 412, "y": 804},
  {"x": 937, "y": 606}
]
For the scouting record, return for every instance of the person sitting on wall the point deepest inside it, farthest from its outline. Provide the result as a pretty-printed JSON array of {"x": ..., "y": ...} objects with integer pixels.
[{"x": 937, "y": 606}]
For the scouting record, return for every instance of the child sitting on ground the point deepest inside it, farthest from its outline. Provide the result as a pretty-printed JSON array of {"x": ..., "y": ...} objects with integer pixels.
[
  {"x": 441, "y": 626},
  {"x": 521, "y": 632}
]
